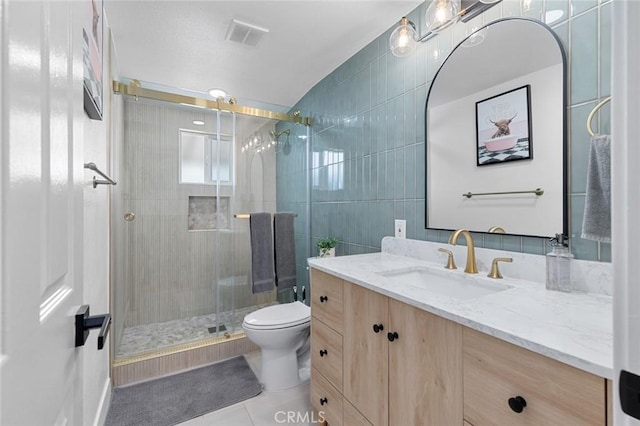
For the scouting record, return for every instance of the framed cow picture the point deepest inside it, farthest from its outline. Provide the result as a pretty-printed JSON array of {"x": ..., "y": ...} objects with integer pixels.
[{"x": 503, "y": 127}]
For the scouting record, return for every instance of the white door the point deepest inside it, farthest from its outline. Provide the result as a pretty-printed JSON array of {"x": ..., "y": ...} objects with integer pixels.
[
  {"x": 625, "y": 200},
  {"x": 41, "y": 219}
]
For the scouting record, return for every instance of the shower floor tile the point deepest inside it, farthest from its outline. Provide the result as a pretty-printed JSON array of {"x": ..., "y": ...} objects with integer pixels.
[{"x": 147, "y": 338}]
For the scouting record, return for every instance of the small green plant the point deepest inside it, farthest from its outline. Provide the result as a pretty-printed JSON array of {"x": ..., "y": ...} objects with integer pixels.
[{"x": 326, "y": 244}]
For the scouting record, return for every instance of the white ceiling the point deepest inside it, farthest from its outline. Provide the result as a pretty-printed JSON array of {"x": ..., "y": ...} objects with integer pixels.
[{"x": 181, "y": 43}]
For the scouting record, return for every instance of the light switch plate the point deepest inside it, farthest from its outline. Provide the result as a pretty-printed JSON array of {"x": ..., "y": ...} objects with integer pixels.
[{"x": 401, "y": 228}]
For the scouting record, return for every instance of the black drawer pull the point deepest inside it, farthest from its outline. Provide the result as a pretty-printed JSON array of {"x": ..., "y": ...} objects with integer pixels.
[
  {"x": 392, "y": 336},
  {"x": 323, "y": 401},
  {"x": 323, "y": 352},
  {"x": 377, "y": 328},
  {"x": 517, "y": 404},
  {"x": 323, "y": 299}
]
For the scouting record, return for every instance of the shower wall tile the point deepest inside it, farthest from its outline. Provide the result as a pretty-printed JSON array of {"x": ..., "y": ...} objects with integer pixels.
[
  {"x": 533, "y": 245},
  {"x": 385, "y": 152},
  {"x": 409, "y": 172},
  {"x": 409, "y": 118},
  {"x": 395, "y": 123},
  {"x": 605, "y": 48},
  {"x": 398, "y": 177},
  {"x": 410, "y": 71},
  {"x": 580, "y": 146},
  {"x": 604, "y": 117},
  {"x": 395, "y": 76},
  {"x": 605, "y": 252},
  {"x": 562, "y": 31},
  {"x": 579, "y": 6},
  {"x": 421, "y": 64},
  {"x": 558, "y": 5},
  {"x": 420, "y": 163},
  {"x": 432, "y": 58},
  {"x": 584, "y": 57},
  {"x": 581, "y": 249}
]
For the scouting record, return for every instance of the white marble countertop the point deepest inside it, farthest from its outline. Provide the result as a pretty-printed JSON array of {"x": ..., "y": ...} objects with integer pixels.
[{"x": 574, "y": 328}]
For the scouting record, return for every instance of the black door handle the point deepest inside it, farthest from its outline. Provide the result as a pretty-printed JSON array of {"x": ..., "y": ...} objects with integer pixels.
[
  {"x": 323, "y": 352},
  {"x": 84, "y": 323},
  {"x": 377, "y": 328},
  {"x": 392, "y": 336},
  {"x": 323, "y": 401},
  {"x": 323, "y": 299}
]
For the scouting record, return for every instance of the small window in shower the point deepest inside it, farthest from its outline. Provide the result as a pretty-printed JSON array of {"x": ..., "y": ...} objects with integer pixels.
[
  {"x": 207, "y": 213},
  {"x": 204, "y": 160}
]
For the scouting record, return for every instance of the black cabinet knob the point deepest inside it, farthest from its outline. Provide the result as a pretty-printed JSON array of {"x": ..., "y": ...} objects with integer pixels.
[
  {"x": 323, "y": 352},
  {"x": 517, "y": 404},
  {"x": 323, "y": 401},
  {"x": 392, "y": 336},
  {"x": 377, "y": 328},
  {"x": 323, "y": 299}
]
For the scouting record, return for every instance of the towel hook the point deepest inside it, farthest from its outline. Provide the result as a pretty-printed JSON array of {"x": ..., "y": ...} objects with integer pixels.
[
  {"x": 96, "y": 182},
  {"x": 593, "y": 113}
]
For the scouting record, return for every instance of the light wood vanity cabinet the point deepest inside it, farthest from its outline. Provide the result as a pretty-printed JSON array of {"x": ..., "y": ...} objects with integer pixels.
[
  {"x": 420, "y": 375},
  {"x": 402, "y": 365},
  {"x": 499, "y": 376},
  {"x": 326, "y": 346}
]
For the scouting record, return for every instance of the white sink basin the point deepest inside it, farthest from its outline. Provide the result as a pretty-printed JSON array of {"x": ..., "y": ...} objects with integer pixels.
[{"x": 445, "y": 283}]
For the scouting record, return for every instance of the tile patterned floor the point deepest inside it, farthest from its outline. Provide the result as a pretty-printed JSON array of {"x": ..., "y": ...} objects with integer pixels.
[
  {"x": 151, "y": 337},
  {"x": 288, "y": 407}
]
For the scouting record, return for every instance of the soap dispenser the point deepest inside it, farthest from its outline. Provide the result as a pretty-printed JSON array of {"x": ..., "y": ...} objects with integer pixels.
[{"x": 559, "y": 264}]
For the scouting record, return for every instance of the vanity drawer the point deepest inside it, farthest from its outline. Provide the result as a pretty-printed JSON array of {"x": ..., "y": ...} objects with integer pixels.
[
  {"x": 326, "y": 352},
  {"x": 326, "y": 300},
  {"x": 353, "y": 417},
  {"x": 495, "y": 371},
  {"x": 325, "y": 399}
]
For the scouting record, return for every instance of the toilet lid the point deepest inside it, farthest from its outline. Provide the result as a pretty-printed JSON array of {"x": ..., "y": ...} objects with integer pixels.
[{"x": 279, "y": 316}]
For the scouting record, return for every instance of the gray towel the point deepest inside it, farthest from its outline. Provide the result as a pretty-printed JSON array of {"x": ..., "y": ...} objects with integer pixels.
[
  {"x": 285, "y": 250},
  {"x": 596, "y": 224},
  {"x": 262, "y": 273}
]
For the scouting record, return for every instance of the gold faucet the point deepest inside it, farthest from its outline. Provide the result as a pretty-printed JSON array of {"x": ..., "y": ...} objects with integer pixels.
[{"x": 472, "y": 266}]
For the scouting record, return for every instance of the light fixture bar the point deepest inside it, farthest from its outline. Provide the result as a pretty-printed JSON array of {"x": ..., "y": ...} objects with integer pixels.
[{"x": 469, "y": 9}]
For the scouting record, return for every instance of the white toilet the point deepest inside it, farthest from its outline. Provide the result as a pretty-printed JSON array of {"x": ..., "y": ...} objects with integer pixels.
[{"x": 281, "y": 331}]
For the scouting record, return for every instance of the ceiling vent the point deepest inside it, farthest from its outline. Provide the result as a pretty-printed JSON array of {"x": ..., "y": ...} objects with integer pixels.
[{"x": 247, "y": 34}]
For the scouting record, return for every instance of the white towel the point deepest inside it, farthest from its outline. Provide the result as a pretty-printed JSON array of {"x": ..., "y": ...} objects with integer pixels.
[{"x": 596, "y": 223}]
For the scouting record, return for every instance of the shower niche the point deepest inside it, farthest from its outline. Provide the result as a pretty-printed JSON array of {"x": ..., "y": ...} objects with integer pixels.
[{"x": 208, "y": 213}]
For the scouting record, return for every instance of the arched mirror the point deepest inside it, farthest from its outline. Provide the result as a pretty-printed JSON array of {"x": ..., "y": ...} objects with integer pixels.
[{"x": 496, "y": 133}]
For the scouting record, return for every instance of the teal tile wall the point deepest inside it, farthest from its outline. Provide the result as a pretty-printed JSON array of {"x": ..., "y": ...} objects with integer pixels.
[{"x": 368, "y": 138}]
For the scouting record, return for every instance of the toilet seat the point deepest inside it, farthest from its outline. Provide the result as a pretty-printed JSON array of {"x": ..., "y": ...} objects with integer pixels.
[{"x": 278, "y": 316}]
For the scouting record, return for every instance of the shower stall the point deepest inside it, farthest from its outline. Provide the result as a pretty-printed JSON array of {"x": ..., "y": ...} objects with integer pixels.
[{"x": 188, "y": 176}]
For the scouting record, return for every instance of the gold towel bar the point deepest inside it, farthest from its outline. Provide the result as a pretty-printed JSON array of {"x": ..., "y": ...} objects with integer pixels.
[
  {"x": 537, "y": 191},
  {"x": 246, "y": 215},
  {"x": 593, "y": 113}
]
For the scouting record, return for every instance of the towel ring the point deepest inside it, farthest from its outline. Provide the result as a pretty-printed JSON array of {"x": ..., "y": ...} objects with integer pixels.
[{"x": 593, "y": 113}]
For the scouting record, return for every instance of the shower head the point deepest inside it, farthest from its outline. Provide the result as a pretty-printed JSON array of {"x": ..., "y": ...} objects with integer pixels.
[
  {"x": 276, "y": 136},
  {"x": 286, "y": 147}
]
